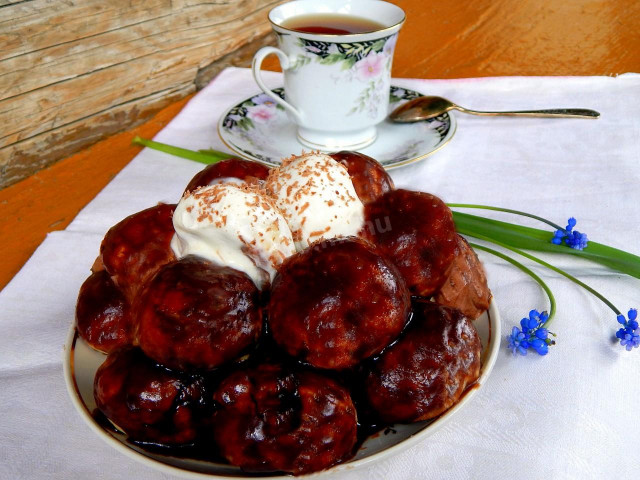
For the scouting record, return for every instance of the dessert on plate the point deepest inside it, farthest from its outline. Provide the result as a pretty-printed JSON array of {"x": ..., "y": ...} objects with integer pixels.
[{"x": 271, "y": 315}]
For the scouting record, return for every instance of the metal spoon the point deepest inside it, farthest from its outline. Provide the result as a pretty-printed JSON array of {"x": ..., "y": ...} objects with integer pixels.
[{"x": 422, "y": 108}]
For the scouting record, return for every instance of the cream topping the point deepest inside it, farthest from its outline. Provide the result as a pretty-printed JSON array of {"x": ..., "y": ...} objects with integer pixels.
[
  {"x": 233, "y": 225},
  {"x": 316, "y": 196}
]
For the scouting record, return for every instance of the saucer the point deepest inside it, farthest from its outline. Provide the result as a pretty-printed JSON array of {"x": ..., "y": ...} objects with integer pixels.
[{"x": 260, "y": 130}]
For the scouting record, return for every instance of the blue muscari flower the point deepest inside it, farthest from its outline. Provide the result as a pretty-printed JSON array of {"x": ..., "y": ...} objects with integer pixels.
[
  {"x": 572, "y": 238},
  {"x": 557, "y": 237},
  {"x": 542, "y": 333},
  {"x": 629, "y": 334},
  {"x": 533, "y": 335},
  {"x": 630, "y": 340},
  {"x": 577, "y": 240},
  {"x": 540, "y": 346},
  {"x": 517, "y": 342}
]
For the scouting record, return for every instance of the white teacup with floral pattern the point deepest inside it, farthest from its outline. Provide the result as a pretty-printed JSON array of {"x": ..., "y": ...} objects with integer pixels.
[{"x": 336, "y": 86}]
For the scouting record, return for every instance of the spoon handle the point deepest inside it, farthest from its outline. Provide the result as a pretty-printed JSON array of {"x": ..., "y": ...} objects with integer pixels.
[{"x": 555, "y": 112}]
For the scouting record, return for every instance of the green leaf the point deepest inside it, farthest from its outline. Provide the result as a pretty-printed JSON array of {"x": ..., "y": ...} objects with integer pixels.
[
  {"x": 332, "y": 58},
  {"x": 379, "y": 45},
  {"x": 211, "y": 156},
  {"x": 245, "y": 123},
  {"x": 557, "y": 270},
  {"x": 528, "y": 238},
  {"x": 299, "y": 61},
  {"x": 349, "y": 48},
  {"x": 506, "y": 210},
  {"x": 528, "y": 271},
  {"x": 348, "y": 63}
]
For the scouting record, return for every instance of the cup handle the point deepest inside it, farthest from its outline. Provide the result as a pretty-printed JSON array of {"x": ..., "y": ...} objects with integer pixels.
[{"x": 284, "y": 63}]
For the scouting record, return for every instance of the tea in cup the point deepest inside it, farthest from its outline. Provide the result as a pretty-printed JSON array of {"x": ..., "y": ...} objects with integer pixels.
[{"x": 336, "y": 57}]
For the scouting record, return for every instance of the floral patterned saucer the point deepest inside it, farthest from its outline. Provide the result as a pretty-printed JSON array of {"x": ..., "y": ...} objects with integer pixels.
[{"x": 260, "y": 130}]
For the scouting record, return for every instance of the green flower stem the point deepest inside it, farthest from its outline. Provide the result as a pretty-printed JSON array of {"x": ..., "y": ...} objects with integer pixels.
[
  {"x": 545, "y": 287},
  {"x": 507, "y": 210},
  {"x": 211, "y": 156},
  {"x": 528, "y": 238},
  {"x": 555, "y": 269}
]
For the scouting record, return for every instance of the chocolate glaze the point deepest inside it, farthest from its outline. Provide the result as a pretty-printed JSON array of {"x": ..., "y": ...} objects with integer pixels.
[
  {"x": 198, "y": 315},
  {"x": 267, "y": 351},
  {"x": 149, "y": 402},
  {"x": 134, "y": 249},
  {"x": 416, "y": 232},
  {"x": 102, "y": 420},
  {"x": 288, "y": 419},
  {"x": 428, "y": 369},
  {"x": 369, "y": 177},
  {"x": 169, "y": 431},
  {"x": 102, "y": 314},
  {"x": 466, "y": 285},
  {"x": 336, "y": 303},
  {"x": 250, "y": 172}
]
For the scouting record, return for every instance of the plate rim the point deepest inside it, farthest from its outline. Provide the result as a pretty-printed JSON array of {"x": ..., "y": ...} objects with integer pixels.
[
  {"x": 236, "y": 150},
  {"x": 488, "y": 362}
]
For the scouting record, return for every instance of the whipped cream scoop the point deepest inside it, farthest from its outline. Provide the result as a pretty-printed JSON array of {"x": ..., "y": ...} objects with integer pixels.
[
  {"x": 317, "y": 198},
  {"x": 233, "y": 225}
]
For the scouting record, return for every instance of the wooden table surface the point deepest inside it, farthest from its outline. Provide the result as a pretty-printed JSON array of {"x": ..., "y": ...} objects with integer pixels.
[{"x": 439, "y": 40}]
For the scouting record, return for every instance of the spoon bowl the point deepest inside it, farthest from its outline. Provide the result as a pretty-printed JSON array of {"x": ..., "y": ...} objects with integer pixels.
[{"x": 422, "y": 108}]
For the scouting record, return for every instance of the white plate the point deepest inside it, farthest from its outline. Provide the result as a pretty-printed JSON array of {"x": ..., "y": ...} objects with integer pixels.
[
  {"x": 260, "y": 130},
  {"x": 81, "y": 363}
]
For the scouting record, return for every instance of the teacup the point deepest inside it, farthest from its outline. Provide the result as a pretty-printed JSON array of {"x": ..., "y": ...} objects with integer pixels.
[{"x": 336, "y": 85}]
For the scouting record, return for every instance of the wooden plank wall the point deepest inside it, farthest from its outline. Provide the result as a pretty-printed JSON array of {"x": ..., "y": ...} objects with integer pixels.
[{"x": 73, "y": 72}]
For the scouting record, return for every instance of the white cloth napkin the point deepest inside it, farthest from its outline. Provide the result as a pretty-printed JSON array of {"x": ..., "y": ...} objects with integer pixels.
[{"x": 571, "y": 414}]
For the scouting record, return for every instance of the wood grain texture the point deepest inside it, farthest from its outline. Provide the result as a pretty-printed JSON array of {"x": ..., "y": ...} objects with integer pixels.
[
  {"x": 51, "y": 198},
  {"x": 525, "y": 37},
  {"x": 72, "y": 73},
  {"x": 439, "y": 40},
  {"x": 486, "y": 38}
]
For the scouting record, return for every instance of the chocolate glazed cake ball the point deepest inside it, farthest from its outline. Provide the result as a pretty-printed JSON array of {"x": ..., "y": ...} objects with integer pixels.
[
  {"x": 197, "y": 315},
  {"x": 369, "y": 177},
  {"x": 232, "y": 168},
  {"x": 428, "y": 369},
  {"x": 148, "y": 402},
  {"x": 336, "y": 303},
  {"x": 466, "y": 285},
  {"x": 416, "y": 232},
  {"x": 134, "y": 249},
  {"x": 271, "y": 419},
  {"x": 102, "y": 314}
]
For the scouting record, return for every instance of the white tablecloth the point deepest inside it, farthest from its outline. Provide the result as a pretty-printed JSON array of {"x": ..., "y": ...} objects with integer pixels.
[{"x": 571, "y": 414}]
